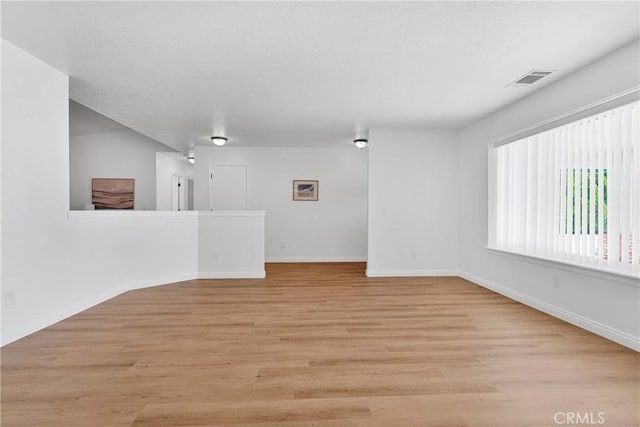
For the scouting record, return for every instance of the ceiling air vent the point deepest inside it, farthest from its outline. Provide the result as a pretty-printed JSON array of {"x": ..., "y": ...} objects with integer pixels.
[{"x": 530, "y": 78}]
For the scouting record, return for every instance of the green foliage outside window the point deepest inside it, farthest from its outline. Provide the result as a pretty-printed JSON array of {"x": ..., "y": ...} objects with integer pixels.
[{"x": 573, "y": 187}]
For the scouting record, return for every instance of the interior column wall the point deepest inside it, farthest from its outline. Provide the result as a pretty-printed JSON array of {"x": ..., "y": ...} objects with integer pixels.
[{"x": 413, "y": 203}]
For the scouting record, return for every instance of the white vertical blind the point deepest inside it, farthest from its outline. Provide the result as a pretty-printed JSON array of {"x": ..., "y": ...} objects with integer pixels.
[{"x": 572, "y": 193}]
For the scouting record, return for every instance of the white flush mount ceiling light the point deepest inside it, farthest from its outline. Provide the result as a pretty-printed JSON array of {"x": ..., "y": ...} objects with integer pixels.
[
  {"x": 191, "y": 157},
  {"x": 361, "y": 143},
  {"x": 219, "y": 140}
]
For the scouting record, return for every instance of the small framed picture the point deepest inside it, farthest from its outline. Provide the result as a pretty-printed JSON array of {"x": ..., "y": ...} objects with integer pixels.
[{"x": 305, "y": 189}]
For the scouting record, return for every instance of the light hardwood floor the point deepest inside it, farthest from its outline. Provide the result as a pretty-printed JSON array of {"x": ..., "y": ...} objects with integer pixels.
[{"x": 316, "y": 344}]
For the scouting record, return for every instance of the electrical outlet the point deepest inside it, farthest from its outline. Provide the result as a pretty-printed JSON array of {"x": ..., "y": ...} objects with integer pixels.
[
  {"x": 282, "y": 245},
  {"x": 9, "y": 297},
  {"x": 555, "y": 280},
  {"x": 216, "y": 255},
  {"x": 412, "y": 255}
]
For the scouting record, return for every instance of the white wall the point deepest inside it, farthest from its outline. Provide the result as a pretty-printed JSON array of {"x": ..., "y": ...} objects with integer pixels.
[
  {"x": 331, "y": 229},
  {"x": 2, "y": 178},
  {"x": 34, "y": 135},
  {"x": 231, "y": 244},
  {"x": 413, "y": 203},
  {"x": 603, "y": 303},
  {"x": 117, "y": 154},
  {"x": 57, "y": 266},
  {"x": 166, "y": 167}
]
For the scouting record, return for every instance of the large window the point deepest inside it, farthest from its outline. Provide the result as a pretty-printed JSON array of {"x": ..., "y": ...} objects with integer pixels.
[{"x": 572, "y": 192}]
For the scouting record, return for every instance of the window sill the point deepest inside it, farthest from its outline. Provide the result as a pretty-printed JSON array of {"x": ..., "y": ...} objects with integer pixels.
[
  {"x": 126, "y": 213},
  {"x": 625, "y": 277}
]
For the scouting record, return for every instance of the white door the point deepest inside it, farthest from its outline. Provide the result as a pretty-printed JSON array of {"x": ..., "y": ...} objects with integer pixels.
[
  {"x": 227, "y": 187},
  {"x": 177, "y": 193}
]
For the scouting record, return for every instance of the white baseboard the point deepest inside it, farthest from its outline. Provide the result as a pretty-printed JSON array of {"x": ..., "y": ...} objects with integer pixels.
[
  {"x": 49, "y": 319},
  {"x": 598, "y": 328},
  {"x": 411, "y": 273},
  {"x": 259, "y": 274},
  {"x": 166, "y": 280},
  {"x": 34, "y": 325},
  {"x": 317, "y": 259}
]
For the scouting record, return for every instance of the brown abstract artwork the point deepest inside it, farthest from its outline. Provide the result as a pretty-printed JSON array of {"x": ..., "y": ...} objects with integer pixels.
[{"x": 112, "y": 193}]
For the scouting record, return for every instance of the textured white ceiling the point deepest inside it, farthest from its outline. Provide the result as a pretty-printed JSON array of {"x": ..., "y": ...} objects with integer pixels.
[
  {"x": 83, "y": 121},
  {"x": 308, "y": 73}
]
